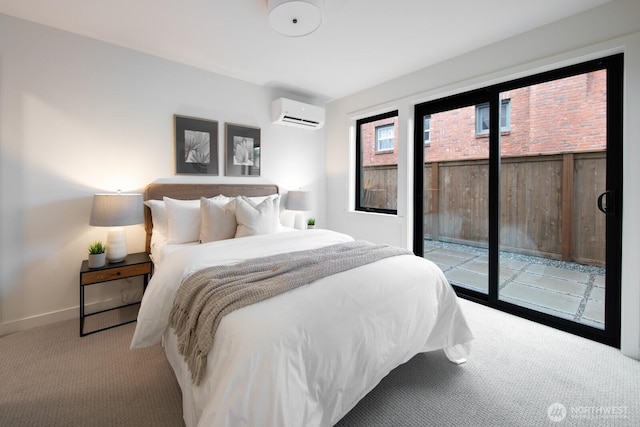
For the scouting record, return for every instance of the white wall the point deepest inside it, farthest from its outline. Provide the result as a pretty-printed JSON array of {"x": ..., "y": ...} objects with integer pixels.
[
  {"x": 599, "y": 32},
  {"x": 78, "y": 116}
]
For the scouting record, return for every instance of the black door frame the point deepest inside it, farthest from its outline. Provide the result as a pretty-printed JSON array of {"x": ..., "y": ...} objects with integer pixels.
[{"x": 615, "y": 71}]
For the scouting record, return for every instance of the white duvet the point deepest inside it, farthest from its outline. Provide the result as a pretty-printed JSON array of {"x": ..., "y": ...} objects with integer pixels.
[{"x": 306, "y": 357}]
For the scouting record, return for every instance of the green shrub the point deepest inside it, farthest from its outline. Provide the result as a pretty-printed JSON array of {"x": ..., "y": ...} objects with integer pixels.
[{"x": 97, "y": 248}]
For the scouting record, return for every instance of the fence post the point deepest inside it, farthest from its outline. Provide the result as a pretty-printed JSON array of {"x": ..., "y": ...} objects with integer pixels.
[
  {"x": 435, "y": 201},
  {"x": 567, "y": 206}
]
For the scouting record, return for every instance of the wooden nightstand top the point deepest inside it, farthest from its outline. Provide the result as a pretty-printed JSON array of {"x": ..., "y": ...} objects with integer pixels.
[{"x": 133, "y": 265}]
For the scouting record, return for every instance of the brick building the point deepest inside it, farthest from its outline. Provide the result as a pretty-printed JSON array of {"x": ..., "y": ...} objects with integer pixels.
[{"x": 567, "y": 115}]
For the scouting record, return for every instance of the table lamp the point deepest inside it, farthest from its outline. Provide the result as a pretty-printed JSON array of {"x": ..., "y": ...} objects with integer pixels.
[
  {"x": 299, "y": 200},
  {"x": 116, "y": 210}
]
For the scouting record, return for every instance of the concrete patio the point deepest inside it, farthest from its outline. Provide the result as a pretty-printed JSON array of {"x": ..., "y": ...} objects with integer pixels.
[{"x": 567, "y": 290}]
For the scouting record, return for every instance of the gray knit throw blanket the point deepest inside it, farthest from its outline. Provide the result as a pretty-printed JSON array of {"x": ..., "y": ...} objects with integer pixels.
[{"x": 207, "y": 295}]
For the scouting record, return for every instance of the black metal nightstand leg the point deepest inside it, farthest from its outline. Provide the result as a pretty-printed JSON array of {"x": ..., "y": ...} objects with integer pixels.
[{"x": 81, "y": 310}]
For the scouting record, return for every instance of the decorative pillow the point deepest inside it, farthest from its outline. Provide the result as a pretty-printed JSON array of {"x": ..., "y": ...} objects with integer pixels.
[
  {"x": 256, "y": 200},
  {"x": 259, "y": 199},
  {"x": 216, "y": 221},
  {"x": 262, "y": 218},
  {"x": 183, "y": 220},
  {"x": 159, "y": 219}
]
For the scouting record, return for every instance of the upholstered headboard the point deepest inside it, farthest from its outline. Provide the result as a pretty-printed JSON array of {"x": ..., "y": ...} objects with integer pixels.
[{"x": 157, "y": 191}]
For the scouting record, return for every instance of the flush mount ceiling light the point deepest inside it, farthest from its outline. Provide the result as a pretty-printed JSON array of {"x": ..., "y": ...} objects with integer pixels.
[{"x": 295, "y": 18}]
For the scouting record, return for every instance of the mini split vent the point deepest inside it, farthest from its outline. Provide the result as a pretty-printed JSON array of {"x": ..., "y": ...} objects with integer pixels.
[{"x": 296, "y": 114}]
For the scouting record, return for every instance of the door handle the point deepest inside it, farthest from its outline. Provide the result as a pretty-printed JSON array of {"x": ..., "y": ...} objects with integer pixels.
[{"x": 606, "y": 205}]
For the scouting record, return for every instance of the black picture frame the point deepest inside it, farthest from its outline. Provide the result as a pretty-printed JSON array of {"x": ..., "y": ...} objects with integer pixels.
[
  {"x": 243, "y": 151},
  {"x": 196, "y": 145}
]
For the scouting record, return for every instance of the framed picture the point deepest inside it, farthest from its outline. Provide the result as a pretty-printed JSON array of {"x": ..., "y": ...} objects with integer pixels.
[
  {"x": 243, "y": 150},
  {"x": 196, "y": 146}
]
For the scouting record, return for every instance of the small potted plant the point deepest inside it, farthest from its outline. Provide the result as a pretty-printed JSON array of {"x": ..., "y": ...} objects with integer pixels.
[
  {"x": 311, "y": 223},
  {"x": 97, "y": 255}
]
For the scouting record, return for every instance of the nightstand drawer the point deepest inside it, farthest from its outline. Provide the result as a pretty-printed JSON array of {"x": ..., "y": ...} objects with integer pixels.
[{"x": 115, "y": 273}]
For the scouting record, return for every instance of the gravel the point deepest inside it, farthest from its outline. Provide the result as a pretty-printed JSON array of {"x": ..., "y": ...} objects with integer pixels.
[{"x": 583, "y": 268}]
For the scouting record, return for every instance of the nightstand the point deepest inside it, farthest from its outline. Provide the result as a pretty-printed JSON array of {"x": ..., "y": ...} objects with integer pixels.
[{"x": 134, "y": 265}]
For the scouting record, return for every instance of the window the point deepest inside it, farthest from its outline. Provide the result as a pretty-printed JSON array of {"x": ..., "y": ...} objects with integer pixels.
[
  {"x": 482, "y": 117},
  {"x": 384, "y": 138},
  {"x": 377, "y": 164},
  {"x": 427, "y": 129}
]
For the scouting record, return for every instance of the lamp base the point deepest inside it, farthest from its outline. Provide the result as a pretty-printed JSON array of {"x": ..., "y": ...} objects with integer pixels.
[
  {"x": 300, "y": 222},
  {"x": 116, "y": 245}
]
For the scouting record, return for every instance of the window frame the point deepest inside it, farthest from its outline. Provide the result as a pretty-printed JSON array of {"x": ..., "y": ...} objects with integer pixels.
[
  {"x": 505, "y": 104},
  {"x": 426, "y": 141},
  {"x": 359, "y": 190},
  {"x": 378, "y": 139}
]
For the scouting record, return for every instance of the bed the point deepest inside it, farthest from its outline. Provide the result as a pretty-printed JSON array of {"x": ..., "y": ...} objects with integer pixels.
[{"x": 304, "y": 357}]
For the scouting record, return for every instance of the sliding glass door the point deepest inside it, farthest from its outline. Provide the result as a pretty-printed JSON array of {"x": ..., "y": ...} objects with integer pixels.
[
  {"x": 522, "y": 212},
  {"x": 456, "y": 192}
]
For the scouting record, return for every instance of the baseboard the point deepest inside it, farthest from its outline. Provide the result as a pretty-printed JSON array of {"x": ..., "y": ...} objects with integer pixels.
[
  {"x": 54, "y": 316},
  {"x": 630, "y": 351}
]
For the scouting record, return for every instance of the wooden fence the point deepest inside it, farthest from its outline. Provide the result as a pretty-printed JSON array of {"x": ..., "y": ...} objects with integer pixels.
[
  {"x": 547, "y": 204},
  {"x": 381, "y": 186}
]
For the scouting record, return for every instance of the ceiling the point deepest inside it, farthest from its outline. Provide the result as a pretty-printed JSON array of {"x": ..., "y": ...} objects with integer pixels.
[{"x": 360, "y": 43}]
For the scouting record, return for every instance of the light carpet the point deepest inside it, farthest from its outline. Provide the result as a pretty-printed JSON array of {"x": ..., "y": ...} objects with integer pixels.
[{"x": 519, "y": 374}]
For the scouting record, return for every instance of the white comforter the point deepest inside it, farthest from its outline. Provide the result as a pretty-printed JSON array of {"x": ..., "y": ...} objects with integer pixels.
[{"x": 306, "y": 357}]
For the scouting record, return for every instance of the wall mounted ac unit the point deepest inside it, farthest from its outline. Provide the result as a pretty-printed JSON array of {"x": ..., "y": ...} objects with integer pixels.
[{"x": 297, "y": 114}]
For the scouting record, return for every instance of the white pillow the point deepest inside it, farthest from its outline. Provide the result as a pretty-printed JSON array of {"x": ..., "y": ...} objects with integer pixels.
[
  {"x": 259, "y": 199},
  {"x": 159, "y": 219},
  {"x": 252, "y": 218},
  {"x": 216, "y": 222},
  {"x": 256, "y": 200},
  {"x": 183, "y": 220}
]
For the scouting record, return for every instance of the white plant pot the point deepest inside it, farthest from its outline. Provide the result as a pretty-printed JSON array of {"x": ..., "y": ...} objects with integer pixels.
[{"x": 97, "y": 260}]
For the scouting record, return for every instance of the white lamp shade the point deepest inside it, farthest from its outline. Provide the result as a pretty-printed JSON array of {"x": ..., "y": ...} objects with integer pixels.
[
  {"x": 116, "y": 210},
  {"x": 299, "y": 200}
]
